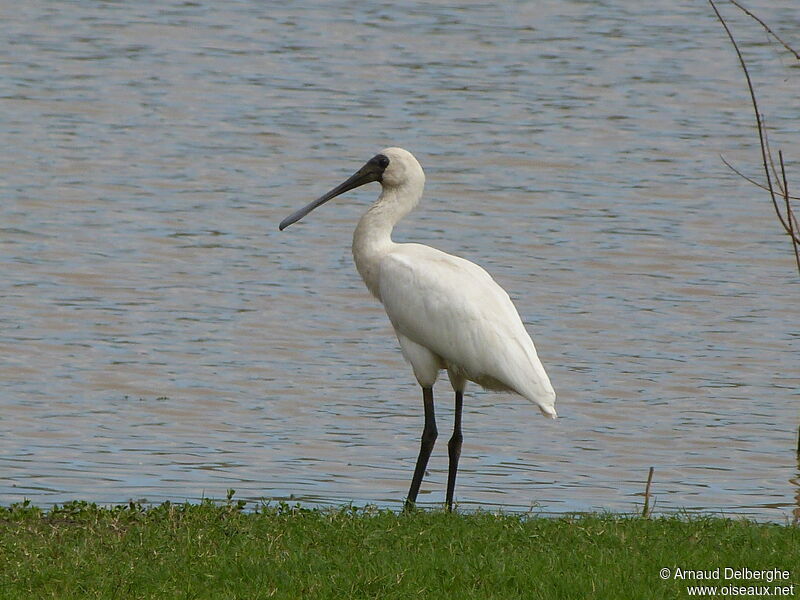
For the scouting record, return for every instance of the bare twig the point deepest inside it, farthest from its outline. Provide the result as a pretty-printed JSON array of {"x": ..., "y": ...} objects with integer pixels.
[
  {"x": 646, "y": 509},
  {"x": 753, "y": 181},
  {"x": 755, "y": 102},
  {"x": 765, "y": 26},
  {"x": 789, "y": 215},
  {"x": 782, "y": 182},
  {"x": 776, "y": 179},
  {"x": 766, "y": 154},
  {"x": 793, "y": 217}
]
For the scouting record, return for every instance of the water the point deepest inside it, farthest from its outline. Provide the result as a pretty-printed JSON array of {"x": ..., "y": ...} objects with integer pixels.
[{"x": 160, "y": 339}]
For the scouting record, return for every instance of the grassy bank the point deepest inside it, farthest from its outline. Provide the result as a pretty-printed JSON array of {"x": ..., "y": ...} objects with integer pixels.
[{"x": 221, "y": 551}]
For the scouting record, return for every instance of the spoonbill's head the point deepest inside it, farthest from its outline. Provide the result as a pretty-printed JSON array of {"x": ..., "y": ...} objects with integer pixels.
[
  {"x": 403, "y": 169},
  {"x": 391, "y": 167}
]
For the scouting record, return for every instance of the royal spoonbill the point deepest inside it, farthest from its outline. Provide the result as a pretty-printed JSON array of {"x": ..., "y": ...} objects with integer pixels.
[{"x": 447, "y": 312}]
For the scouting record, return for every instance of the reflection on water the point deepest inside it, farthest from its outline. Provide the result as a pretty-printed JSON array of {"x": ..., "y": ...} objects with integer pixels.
[{"x": 161, "y": 339}]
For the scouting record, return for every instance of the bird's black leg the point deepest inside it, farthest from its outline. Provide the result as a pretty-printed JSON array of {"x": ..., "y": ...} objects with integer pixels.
[
  {"x": 429, "y": 434},
  {"x": 454, "y": 451}
]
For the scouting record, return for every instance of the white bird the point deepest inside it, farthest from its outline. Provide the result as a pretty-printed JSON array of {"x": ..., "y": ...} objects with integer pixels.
[{"x": 447, "y": 312}]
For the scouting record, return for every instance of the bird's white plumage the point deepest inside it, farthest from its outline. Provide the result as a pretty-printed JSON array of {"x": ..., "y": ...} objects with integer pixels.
[
  {"x": 447, "y": 312},
  {"x": 464, "y": 318}
]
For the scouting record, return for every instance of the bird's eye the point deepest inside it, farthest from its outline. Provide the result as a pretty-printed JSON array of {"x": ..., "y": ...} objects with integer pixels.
[{"x": 382, "y": 160}]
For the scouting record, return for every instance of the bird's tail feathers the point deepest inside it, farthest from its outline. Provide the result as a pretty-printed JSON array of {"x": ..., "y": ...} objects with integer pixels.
[{"x": 540, "y": 392}]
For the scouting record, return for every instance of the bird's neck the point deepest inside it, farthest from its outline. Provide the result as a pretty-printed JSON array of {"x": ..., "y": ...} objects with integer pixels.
[{"x": 372, "y": 239}]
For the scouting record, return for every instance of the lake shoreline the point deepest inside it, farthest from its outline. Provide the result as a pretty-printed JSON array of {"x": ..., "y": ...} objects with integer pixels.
[{"x": 227, "y": 550}]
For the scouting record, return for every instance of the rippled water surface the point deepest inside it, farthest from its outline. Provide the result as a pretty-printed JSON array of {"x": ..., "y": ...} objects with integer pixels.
[{"x": 160, "y": 339}]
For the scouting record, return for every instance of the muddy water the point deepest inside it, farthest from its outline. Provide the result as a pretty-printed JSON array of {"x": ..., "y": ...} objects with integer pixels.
[{"x": 160, "y": 339}]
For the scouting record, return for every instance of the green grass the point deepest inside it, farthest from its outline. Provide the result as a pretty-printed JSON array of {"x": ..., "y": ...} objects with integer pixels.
[{"x": 223, "y": 552}]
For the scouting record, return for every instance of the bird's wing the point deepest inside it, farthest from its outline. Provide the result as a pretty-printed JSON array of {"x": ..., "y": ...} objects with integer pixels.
[{"x": 455, "y": 309}]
